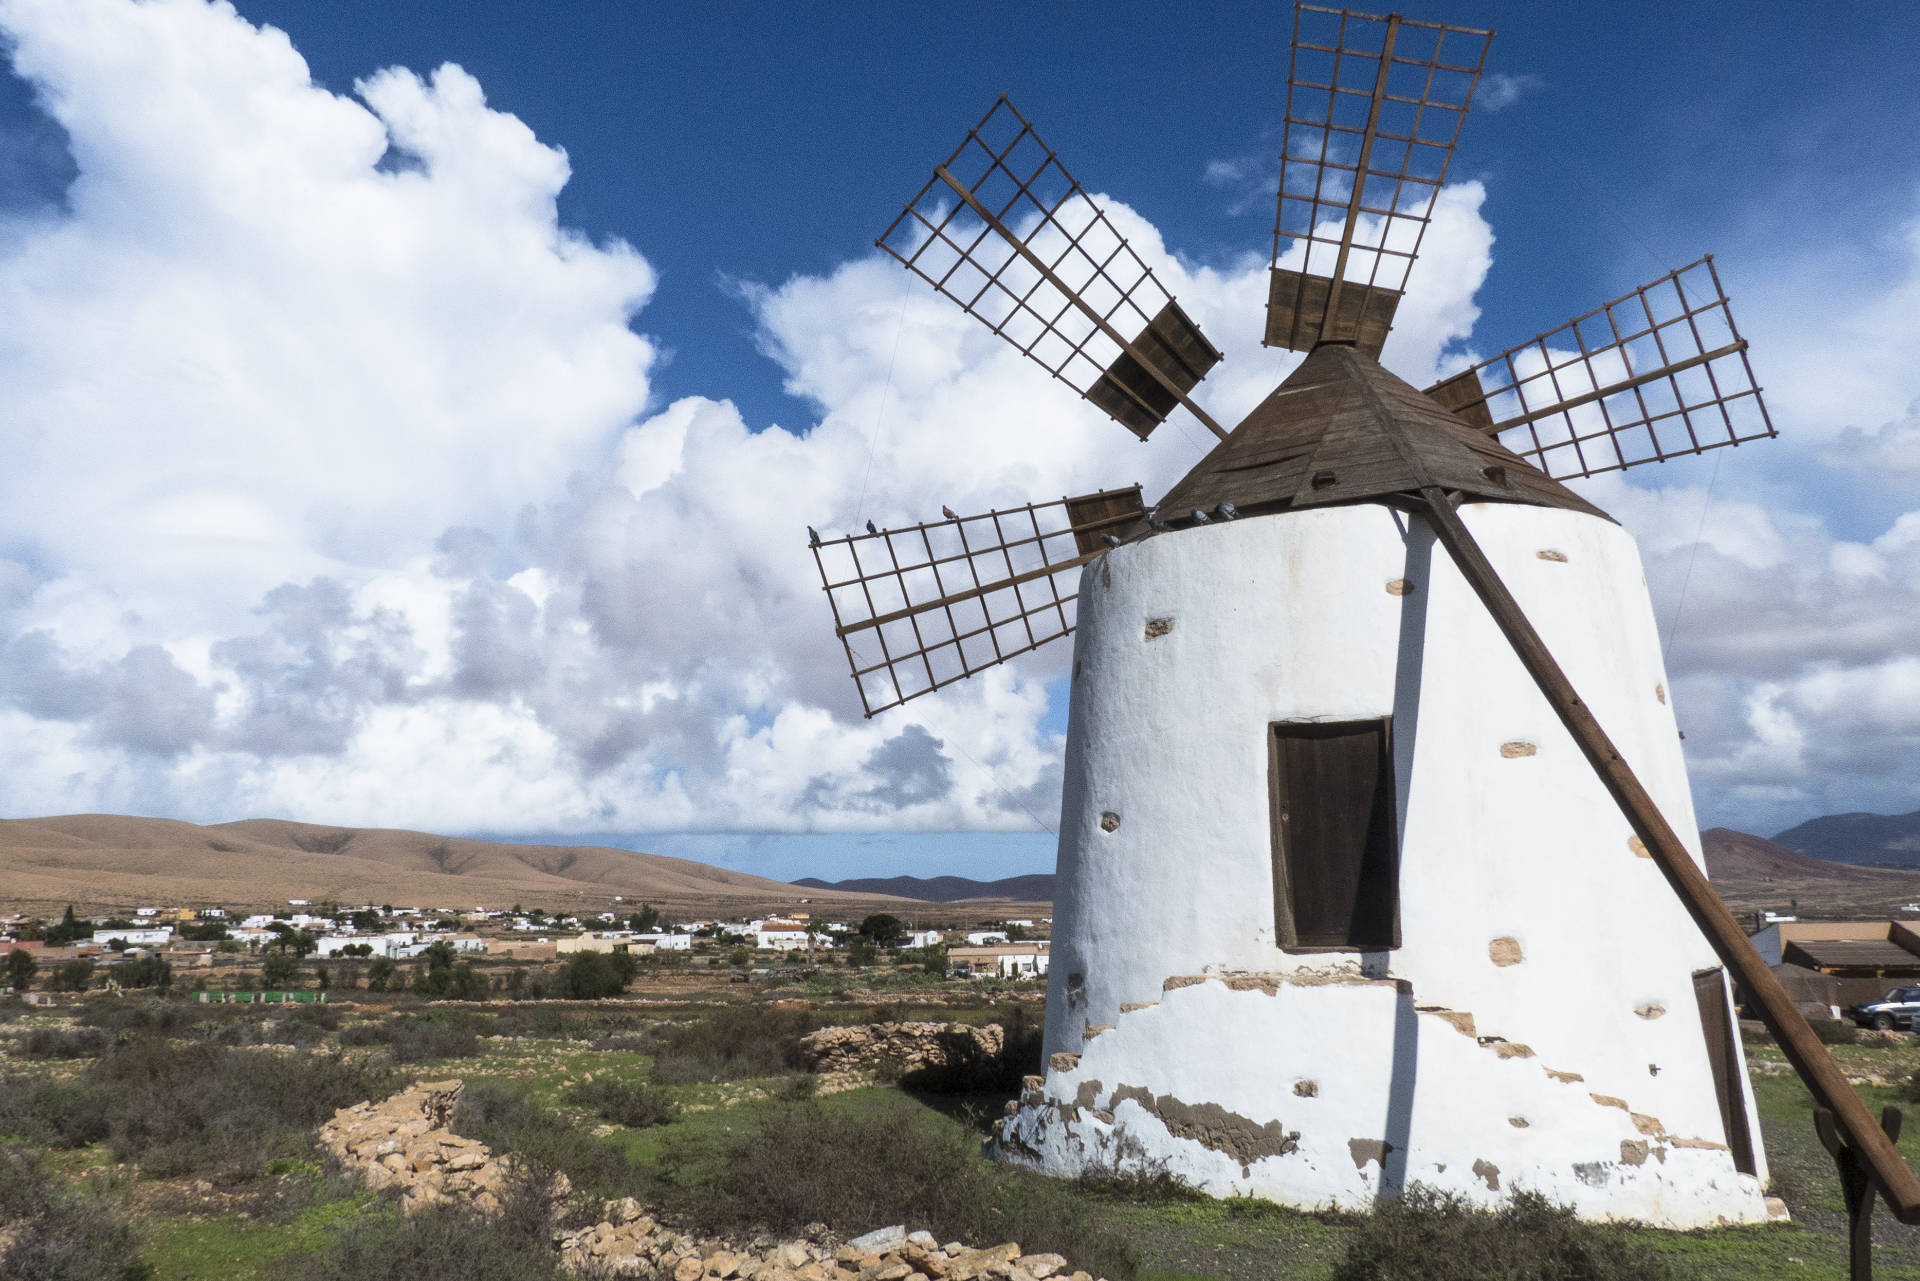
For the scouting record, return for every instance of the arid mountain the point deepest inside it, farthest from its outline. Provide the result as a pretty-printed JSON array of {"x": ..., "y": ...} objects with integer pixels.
[
  {"x": 108, "y": 861},
  {"x": 1751, "y": 873},
  {"x": 1034, "y": 888},
  {"x": 1877, "y": 840}
]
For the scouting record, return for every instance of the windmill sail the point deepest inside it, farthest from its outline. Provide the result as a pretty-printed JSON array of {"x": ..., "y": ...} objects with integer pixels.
[
  {"x": 926, "y": 605},
  {"x": 1005, "y": 231},
  {"x": 1659, "y": 373},
  {"x": 1374, "y": 109}
]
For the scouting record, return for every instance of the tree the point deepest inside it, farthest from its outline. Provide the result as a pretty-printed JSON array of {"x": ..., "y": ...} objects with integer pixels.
[
  {"x": 381, "y": 973},
  {"x": 646, "y": 920},
  {"x": 67, "y": 931},
  {"x": 301, "y": 943},
  {"x": 279, "y": 970},
  {"x": 20, "y": 968},
  {"x": 861, "y": 951},
  {"x": 74, "y": 976},
  {"x": 883, "y": 930},
  {"x": 590, "y": 976},
  {"x": 204, "y": 932},
  {"x": 933, "y": 960},
  {"x": 148, "y": 971}
]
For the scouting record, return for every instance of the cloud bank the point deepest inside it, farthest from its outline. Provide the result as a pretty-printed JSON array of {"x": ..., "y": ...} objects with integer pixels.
[{"x": 332, "y": 487}]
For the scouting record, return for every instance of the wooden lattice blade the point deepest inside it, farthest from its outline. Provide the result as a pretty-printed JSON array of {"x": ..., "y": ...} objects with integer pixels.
[
  {"x": 1006, "y": 232},
  {"x": 1374, "y": 110},
  {"x": 923, "y": 606},
  {"x": 1659, "y": 373}
]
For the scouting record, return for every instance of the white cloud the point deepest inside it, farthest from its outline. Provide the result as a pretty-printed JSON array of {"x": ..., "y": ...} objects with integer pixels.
[{"x": 336, "y": 492}]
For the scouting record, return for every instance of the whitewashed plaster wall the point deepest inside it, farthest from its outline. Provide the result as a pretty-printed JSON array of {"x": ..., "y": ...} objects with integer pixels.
[{"x": 1538, "y": 1020}]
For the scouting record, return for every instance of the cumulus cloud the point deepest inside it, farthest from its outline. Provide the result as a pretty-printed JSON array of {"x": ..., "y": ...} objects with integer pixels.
[{"x": 336, "y": 490}]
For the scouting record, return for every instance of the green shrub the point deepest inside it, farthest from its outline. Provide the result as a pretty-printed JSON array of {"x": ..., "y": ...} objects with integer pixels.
[
  {"x": 443, "y": 1244},
  {"x": 1834, "y": 1031},
  {"x": 850, "y": 1170},
  {"x": 731, "y": 1045},
  {"x": 507, "y": 1120},
  {"x": 1434, "y": 1236},
  {"x": 64, "y": 1043},
  {"x": 56, "y": 1233},
  {"x": 593, "y": 976},
  {"x": 636, "y": 1105},
  {"x": 414, "y": 1040},
  {"x": 191, "y": 1107}
]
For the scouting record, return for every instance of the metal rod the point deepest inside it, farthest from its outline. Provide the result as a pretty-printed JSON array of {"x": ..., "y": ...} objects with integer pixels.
[
  {"x": 1360, "y": 178},
  {"x": 1033, "y": 260}
]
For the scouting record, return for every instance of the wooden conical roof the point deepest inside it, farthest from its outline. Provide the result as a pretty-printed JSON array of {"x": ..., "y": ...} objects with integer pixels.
[{"x": 1341, "y": 429}]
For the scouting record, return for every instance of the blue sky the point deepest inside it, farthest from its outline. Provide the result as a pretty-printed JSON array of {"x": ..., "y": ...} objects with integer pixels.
[{"x": 458, "y": 492}]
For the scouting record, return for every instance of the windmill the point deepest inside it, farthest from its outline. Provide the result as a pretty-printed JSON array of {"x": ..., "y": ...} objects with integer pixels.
[{"x": 1355, "y": 890}]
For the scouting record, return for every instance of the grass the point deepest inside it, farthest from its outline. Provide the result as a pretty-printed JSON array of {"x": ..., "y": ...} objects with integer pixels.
[{"x": 698, "y": 1111}]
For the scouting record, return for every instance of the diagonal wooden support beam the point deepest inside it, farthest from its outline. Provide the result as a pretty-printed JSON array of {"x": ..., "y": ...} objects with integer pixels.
[{"x": 1861, "y": 1132}]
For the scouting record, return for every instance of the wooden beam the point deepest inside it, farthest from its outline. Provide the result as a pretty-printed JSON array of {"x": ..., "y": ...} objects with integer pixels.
[
  {"x": 1033, "y": 260},
  {"x": 1823, "y": 1077},
  {"x": 1360, "y": 177}
]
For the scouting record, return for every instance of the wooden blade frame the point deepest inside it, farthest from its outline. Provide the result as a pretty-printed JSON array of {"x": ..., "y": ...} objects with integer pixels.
[
  {"x": 926, "y": 605},
  {"x": 1657, "y": 374},
  {"x": 1374, "y": 109},
  {"x": 1005, "y": 231}
]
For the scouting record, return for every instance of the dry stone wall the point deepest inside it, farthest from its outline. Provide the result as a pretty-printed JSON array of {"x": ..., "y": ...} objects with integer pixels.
[
  {"x": 849, "y": 1055},
  {"x": 403, "y": 1144}
]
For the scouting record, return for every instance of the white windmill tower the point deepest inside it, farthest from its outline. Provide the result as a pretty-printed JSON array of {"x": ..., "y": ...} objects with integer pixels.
[{"x": 1355, "y": 891}]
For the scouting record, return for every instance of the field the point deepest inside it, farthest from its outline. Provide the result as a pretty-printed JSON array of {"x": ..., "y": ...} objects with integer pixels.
[{"x": 180, "y": 1137}]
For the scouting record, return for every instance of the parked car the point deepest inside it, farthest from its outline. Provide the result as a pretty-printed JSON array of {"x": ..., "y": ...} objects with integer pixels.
[{"x": 1899, "y": 1008}]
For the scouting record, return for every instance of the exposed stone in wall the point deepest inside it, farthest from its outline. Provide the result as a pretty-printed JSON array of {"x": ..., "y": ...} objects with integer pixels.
[
  {"x": 1212, "y": 1126},
  {"x": 403, "y": 1143}
]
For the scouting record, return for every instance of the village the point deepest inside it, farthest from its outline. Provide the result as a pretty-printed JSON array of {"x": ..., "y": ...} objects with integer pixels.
[{"x": 330, "y": 947}]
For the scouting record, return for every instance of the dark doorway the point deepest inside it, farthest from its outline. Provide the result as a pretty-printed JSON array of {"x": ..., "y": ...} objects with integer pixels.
[
  {"x": 1336, "y": 856},
  {"x": 1710, "y": 993}
]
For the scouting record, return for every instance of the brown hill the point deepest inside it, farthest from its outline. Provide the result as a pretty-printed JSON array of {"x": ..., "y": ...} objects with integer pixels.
[
  {"x": 1751, "y": 872},
  {"x": 103, "y": 862}
]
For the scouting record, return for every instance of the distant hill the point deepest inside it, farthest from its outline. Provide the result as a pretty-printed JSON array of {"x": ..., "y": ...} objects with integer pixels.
[
  {"x": 1751, "y": 872},
  {"x": 1878, "y": 840},
  {"x": 118, "y": 861},
  {"x": 1036, "y": 888}
]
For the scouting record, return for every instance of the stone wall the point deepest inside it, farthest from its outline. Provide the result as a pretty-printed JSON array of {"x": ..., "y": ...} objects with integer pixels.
[
  {"x": 631, "y": 1244},
  {"x": 404, "y": 1143},
  {"x": 902, "y": 1048}
]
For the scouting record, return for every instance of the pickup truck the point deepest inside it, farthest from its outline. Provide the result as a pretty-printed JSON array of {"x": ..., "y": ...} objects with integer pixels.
[{"x": 1899, "y": 1008}]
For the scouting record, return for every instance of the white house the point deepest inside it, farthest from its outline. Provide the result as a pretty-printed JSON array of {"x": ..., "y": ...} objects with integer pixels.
[
  {"x": 1001, "y": 960},
  {"x": 156, "y": 936},
  {"x": 921, "y": 938},
  {"x": 980, "y": 938},
  {"x": 783, "y": 935},
  {"x": 666, "y": 942}
]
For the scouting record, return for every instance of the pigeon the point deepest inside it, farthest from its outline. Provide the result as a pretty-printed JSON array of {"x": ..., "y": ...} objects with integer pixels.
[
  {"x": 948, "y": 513},
  {"x": 1200, "y": 517},
  {"x": 1113, "y": 540},
  {"x": 871, "y": 529},
  {"x": 1228, "y": 511},
  {"x": 813, "y": 536}
]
